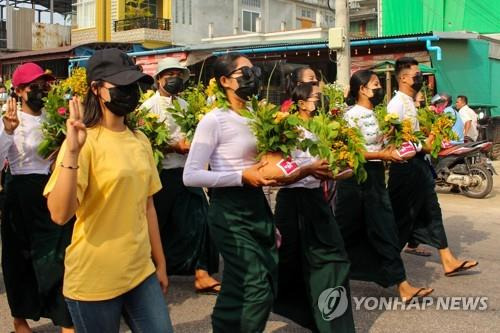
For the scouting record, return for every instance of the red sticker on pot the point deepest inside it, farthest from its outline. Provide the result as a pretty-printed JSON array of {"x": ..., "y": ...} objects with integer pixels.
[
  {"x": 288, "y": 166},
  {"x": 406, "y": 149}
]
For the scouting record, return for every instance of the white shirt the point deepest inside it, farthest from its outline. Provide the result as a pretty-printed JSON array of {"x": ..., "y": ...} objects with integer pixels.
[
  {"x": 224, "y": 140},
  {"x": 366, "y": 121},
  {"x": 158, "y": 105},
  {"x": 21, "y": 148},
  {"x": 304, "y": 158},
  {"x": 467, "y": 114},
  {"x": 403, "y": 106}
]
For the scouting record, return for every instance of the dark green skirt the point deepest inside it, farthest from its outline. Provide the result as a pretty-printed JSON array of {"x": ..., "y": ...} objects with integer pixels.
[
  {"x": 241, "y": 223},
  {"x": 364, "y": 214},
  {"x": 33, "y": 250},
  {"x": 182, "y": 219},
  {"x": 415, "y": 203},
  {"x": 312, "y": 259}
]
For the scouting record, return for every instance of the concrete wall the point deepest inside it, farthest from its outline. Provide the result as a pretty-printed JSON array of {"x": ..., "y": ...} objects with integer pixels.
[{"x": 203, "y": 13}]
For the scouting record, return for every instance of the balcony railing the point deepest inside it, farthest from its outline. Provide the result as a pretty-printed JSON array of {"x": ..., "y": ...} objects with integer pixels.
[{"x": 142, "y": 22}]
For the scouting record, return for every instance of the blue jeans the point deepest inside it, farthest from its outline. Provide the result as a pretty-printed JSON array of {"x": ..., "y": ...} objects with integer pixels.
[{"x": 144, "y": 309}]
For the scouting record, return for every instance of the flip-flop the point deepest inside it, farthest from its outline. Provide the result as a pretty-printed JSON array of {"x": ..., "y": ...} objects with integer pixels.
[
  {"x": 209, "y": 290},
  {"x": 417, "y": 252},
  {"x": 417, "y": 294},
  {"x": 461, "y": 268}
]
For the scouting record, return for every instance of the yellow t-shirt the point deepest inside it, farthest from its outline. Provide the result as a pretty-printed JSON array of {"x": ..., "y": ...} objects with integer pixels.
[{"x": 110, "y": 250}]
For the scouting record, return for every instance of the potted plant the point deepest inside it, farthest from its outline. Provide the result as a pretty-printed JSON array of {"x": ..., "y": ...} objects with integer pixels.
[{"x": 278, "y": 134}]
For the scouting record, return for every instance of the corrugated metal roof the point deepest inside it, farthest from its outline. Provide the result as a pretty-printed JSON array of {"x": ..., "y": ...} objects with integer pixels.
[{"x": 24, "y": 54}]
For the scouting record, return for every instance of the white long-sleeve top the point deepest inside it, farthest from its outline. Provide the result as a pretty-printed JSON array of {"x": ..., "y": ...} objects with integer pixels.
[
  {"x": 21, "y": 148},
  {"x": 365, "y": 120},
  {"x": 222, "y": 139},
  {"x": 403, "y": 106},
  {"x": 303, "y": 158},
  {"x": 158, "y": 105}
]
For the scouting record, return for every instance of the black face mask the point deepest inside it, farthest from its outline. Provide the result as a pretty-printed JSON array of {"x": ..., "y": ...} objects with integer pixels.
[
  {"x": 174, "y": 85},
  {"x": 35, "y": 99},
  {"x": 248, "y": 83},
  {"x": 418, "y": 82},
  {"x": 248, "y": 87},
  {"x": 124, "y": 99},
  {"x": 378, "y": 96}
]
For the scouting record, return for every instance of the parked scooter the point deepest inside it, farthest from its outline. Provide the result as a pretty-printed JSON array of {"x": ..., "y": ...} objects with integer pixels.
[{"x": 466, "y": 167}]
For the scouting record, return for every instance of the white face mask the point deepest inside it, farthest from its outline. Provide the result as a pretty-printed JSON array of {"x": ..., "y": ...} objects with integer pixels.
[{"x": 4, "y": 96}]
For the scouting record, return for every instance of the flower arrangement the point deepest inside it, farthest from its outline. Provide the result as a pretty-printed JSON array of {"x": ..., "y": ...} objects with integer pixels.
[
  {"x": 153, "y": 127},
  {"x": 342, "y": 146},
  {"x": 216, "y": 96},
  {"x": 439, "y": 125},
  {"x": 278, "y": 134},
  {"x": 197, "y": 106},
  {"x": 56, "y": 111},
  {"x": 398, "y": 133},
  {"x": 333, "y": 101},
  {"x": 276, "y": 129}
]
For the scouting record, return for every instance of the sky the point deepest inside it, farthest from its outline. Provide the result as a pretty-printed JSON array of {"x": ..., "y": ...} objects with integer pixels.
[{"x": 58, "y": 18}]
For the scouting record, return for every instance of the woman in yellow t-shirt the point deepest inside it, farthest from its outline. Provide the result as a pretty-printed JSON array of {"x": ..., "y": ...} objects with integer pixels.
[{"x": 105, "y": 174}]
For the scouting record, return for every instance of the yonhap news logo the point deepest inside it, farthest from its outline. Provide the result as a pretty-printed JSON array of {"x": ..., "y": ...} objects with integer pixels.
[{"x": 333, "y": 303}]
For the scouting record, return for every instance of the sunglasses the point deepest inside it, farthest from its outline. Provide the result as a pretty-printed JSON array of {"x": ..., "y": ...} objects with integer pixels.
[
  {"x": 247, "y": 72},
  {"x": 313, "y": 83},
  {"x": 39, "y": 86}
]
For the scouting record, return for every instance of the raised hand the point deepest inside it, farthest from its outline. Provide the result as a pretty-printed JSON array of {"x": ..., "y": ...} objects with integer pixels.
[
  {"x": 253, "y": 177},
  {"x": 76, "y": 132},
  {"x": 10, "y": 119}
]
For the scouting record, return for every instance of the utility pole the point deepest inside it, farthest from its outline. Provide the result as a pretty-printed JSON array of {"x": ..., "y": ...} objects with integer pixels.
[{"x": 344, "y": 53}]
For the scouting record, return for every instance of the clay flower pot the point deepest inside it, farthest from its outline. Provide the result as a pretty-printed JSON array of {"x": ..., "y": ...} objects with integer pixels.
[
  {"x": 278, "y": 167},
  {"x": 344, "y": 174},
  {"x": 407, "y": 150}
]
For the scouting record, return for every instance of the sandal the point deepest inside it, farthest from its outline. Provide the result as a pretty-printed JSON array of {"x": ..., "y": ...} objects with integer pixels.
[
  {"x": 417, "y": 251},
  {"x": 461, "y": 268},
  {"x": 417, "y": 294},
  {"x": 209, "y": 290}
]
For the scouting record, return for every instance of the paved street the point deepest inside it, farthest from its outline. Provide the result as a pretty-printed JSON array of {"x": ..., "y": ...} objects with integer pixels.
[{"x": 473, "y": 228}]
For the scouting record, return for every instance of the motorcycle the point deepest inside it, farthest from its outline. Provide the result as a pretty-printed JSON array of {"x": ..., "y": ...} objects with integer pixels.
[{"x": 466, "y": 167}]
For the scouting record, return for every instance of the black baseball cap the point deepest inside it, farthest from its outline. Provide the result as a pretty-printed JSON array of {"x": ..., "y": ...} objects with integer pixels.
[{"x": 116, "y": 67}]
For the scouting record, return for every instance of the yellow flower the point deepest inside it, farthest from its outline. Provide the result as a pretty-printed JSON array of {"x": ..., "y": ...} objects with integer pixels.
[
  {"x": 212, "y": 86},
  {"x": 199, "y": 116},
  {"x": 77, "y": 82},
  {"x": 152, "y": 116},
  {"x": 391, "y": 117},
  {"x": 279, "y": 116}
]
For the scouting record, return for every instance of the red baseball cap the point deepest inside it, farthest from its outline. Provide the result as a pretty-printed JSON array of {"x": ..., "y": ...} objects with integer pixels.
[{"x": 27, "y": 73}]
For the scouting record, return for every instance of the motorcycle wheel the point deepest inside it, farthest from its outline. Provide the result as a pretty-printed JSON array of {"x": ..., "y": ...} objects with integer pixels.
[{"x": 485, "y": 184}]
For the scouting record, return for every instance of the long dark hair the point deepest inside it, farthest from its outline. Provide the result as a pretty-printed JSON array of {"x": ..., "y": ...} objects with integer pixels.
[
  {"x": 224, "y": 65},
  {"x": 301, "y": 92},
  {"x": 93, "y": 112},
  {"x": 358, "y": 80},
  {"x": 293, "y": 79}
]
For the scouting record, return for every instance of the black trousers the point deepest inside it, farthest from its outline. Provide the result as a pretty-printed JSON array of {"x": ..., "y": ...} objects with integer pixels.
[
  {"x": 33, "y": 250},
  {"x": 182, "y": 218},
  {"x": 367, "y": 223},
  {"x": 415, "y": 203}
]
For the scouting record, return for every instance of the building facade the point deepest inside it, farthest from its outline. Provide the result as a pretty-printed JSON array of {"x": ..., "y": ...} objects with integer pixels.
[
  {"x": 156, "y": 23},
  {"x": 145, "y": 22}
]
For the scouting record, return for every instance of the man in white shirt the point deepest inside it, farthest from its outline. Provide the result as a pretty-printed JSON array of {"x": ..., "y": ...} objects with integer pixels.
[
  {"x": 181, "y": 210},
  {"x": 469, "y": 118},
  {"x": 411, "y": 185}
]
